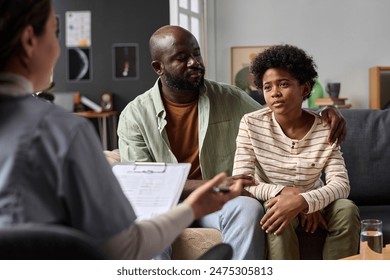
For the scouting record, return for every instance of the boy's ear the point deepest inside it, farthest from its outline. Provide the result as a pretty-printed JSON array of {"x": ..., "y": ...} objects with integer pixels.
[{"x": 306, "y": 89}]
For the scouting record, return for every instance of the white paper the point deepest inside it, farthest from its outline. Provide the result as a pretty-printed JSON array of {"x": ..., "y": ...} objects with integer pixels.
[
  {"x": 78, "y": 28},
  {"x": 152, "y": 188}
]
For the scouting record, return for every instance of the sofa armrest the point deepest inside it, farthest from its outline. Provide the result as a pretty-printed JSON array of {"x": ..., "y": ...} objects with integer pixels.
[
  {"x": 193, "y": 242},
  {"x": 113, "y": 157}
]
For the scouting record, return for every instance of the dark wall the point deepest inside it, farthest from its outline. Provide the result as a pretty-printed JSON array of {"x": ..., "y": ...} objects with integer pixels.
[{"x": 113, "y": 22}]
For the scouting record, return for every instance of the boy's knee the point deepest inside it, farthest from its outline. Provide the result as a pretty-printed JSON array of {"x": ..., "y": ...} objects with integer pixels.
[
  {"x": 347, "y": 213},
  {"x": 347, "y": 208}
]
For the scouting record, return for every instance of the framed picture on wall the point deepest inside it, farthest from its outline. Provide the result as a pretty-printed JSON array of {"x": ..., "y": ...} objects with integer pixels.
[
  {"x": 241, "y": 58},
  {"x": 79, "y": 64},
  {"x": 125, "y": 61}
]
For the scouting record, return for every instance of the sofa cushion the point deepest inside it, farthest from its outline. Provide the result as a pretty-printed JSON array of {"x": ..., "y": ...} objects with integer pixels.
[{"x": 366, "y": 151}]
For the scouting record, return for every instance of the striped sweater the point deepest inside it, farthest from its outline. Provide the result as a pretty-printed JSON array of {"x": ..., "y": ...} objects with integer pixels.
[{"x": 263, "y": 150}]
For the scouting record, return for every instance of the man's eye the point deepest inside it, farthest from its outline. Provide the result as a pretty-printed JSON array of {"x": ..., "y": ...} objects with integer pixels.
[{"x": 182, "y": 58}]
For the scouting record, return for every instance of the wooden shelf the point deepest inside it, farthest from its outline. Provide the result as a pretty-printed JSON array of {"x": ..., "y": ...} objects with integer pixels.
[
  {"x": 379, "y": 86},
  {"x": 332, "y": 101}
]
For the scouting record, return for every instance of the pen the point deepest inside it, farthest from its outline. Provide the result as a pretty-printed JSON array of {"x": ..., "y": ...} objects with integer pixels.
[{"x": 221, "y": 189}]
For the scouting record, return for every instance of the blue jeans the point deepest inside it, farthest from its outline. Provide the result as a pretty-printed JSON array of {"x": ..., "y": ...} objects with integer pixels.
[{"x": 239, "y": 222}]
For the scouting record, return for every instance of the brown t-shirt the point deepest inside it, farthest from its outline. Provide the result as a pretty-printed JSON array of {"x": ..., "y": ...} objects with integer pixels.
[{"x": 182, "y": 130}]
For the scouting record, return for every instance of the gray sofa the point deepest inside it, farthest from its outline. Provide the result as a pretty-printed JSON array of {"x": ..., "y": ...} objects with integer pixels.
[
  {"x": 366, "y": 151},
  {"x": 367, "y": 155}
]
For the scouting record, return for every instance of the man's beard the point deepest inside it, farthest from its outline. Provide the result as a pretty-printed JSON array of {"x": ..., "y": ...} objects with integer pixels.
[{"x": 179, "y": 84}]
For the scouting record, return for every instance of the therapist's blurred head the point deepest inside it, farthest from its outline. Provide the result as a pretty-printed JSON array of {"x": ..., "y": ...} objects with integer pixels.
[{"x": 28, "y": 40}]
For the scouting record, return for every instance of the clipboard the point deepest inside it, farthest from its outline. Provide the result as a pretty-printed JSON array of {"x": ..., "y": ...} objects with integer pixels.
[{"x": 153, "y": 188}]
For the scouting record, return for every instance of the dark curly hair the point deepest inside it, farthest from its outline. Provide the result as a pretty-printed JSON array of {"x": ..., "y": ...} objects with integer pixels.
[
  {"x": 15, "y": 15},
  {"x": 287, "y": 57}
]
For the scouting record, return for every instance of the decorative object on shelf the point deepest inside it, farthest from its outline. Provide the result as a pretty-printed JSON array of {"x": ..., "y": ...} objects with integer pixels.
[
  {"x": 333, "y": 101},
  {"x": 90, "y": 104},
  {"x": 107, "y": 101},
  {"x": 317, "y": 92},
  {"x": 333, "y": 89}
]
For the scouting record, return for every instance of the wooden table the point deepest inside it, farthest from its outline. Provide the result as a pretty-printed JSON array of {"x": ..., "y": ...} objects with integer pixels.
[
  {"x": 386, "y": 254},
  {"x": 105, "y": 131}
]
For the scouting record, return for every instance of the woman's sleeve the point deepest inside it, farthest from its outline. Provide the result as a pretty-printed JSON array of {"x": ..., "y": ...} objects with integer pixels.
[{"x": 146, "y": 239}]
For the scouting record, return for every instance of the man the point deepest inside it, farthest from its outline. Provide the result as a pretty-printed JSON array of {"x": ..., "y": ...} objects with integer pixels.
[{"x": 186, "y": 118}]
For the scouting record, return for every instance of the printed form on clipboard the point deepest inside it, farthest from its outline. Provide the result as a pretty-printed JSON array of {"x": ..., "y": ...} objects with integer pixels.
[{"x": 152, "y": 188}]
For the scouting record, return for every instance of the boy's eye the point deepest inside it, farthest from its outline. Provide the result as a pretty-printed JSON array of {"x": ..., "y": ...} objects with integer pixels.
[
  {"x": 283, "y": 84},
  {"x": 266, "y": 87}
]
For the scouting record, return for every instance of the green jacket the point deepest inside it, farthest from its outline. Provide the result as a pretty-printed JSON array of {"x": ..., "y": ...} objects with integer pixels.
[{"x": 142, "y": 134}]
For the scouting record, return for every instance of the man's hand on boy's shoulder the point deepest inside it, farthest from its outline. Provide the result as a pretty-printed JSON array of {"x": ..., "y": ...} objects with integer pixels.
[
  {"x": 247, "y": 180},
  {"x": 338, "y": 126}
]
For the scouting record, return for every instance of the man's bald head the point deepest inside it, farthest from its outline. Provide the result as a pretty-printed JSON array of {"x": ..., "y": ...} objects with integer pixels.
[{"x": 165, "y": 37}]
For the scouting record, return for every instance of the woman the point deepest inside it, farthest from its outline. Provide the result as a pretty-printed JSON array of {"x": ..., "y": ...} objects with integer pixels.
[{"x": 52, "y": 169}]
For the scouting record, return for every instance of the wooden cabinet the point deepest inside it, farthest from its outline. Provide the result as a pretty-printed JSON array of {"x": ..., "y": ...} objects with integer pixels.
[{"x": 379, "y": 87}]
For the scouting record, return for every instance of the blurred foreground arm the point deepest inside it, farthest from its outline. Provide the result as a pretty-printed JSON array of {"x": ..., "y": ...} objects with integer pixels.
[
  {"x": 146, "y": 239},
  {"x": 192, "y": 185}
]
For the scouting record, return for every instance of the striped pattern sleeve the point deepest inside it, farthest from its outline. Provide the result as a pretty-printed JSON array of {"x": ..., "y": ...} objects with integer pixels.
[
  {"x": 245, "y": 162},
  {"x": 336, "y": 187}
]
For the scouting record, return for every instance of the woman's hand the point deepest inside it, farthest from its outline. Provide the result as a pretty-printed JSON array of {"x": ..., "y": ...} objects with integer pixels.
[
  {"x": 204, "y": 200},
  {"x": 247, "y": 181}
]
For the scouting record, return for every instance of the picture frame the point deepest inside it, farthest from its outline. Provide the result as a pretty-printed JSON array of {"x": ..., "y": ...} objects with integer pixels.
[
  {"x": 79, "y": 64},
  {"x": 241, "y": 57},
  {"x": 125, "y": 61}
]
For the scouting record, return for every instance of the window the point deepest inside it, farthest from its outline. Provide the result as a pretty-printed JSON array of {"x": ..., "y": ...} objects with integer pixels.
[{"x": 189, "y": 15}]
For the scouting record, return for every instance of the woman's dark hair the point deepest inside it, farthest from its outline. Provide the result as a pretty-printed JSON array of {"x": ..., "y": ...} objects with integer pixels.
[
  {"x": 15, "y": 15},
  {"x": 289, "y": 58}
]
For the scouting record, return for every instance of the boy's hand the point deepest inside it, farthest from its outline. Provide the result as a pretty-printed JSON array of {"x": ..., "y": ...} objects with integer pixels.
[
  {"x": 311, "y": 221},
  {"x": 282, "y": 209}
]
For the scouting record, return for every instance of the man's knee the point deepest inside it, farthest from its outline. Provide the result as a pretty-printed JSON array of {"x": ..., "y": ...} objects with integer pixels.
[{"x": 245, "y": 206}]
